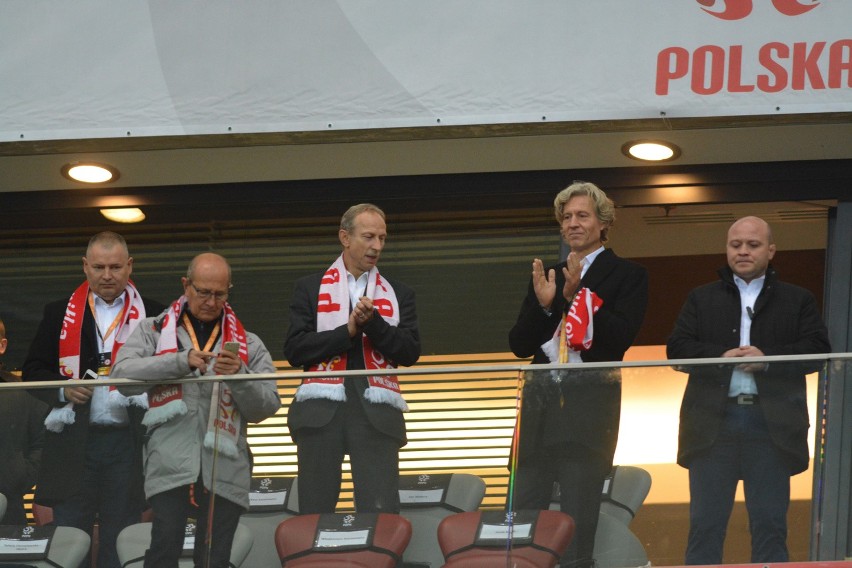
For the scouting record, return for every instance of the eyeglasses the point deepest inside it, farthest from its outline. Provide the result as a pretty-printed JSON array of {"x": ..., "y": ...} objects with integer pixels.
[{"x": 205, "y": 295}]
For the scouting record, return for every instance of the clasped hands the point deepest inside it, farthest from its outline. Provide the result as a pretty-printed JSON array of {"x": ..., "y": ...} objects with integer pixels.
[
  {"x": 747, "y": 351},
  {"x": 361, "y": 315},
  {"x": 226, "y": 363},
  {"x": 544, "y": 283}
]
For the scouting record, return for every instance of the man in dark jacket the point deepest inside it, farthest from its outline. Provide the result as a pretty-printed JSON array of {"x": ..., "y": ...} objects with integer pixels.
[
  {"x": 21, "y": 441},
  {"x": 747, "y": 421},
  {"x": 92, "y": 461},
  {"x": 351, "y": 317},
  {"x": 569, "y": 420}
]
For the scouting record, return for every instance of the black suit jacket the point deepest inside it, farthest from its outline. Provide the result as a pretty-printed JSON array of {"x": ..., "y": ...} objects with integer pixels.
[
  {"x": 786, "y": 322},
  {"x": 63, "y": 456},
  {"x": 585, "y": 406},
  {"x": 305, "y": 346},
  {"x": 22, "y": 424}
]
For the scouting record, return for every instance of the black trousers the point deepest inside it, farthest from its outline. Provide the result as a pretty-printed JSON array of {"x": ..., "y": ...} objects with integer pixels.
[
  {"x": 15, "y": 512},
  {"x": 172, "y": 509},
  {"x": 105, "y": 495},
  {"x": 373, "y": 456},
  {"x": 743, "y": 450},
  {"x": 580, "y": 473}
]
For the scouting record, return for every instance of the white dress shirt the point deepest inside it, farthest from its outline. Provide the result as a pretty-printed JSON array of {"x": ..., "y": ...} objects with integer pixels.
[
  {"x": 574, "y": 356},
  {"x": 102, "y": 412},
  {"x": 743, "y": 382},
  {"x": 357, "y": 287}
]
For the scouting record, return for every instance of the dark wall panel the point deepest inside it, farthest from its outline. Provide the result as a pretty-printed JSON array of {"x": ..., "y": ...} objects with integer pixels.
[
  {"x": 469, "y": 266},
  {"x": 469, "y": 282},
  {"x": 671, "y": 279}
]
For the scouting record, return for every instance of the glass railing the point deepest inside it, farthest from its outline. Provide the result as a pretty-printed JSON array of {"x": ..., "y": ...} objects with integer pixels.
[{"x": 463, "y": 418}]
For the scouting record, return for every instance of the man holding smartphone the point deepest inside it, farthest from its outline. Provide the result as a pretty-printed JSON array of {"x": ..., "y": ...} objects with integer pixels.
[{"x": 194, "y": 426}]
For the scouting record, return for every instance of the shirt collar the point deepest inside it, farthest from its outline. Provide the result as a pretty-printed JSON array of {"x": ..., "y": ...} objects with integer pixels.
[
  {"x": 100, "y": 302},
  {"x": 756, "y": 283},
  {"x": 590, "y": 258},
  {"x": 362, "y": 278}
]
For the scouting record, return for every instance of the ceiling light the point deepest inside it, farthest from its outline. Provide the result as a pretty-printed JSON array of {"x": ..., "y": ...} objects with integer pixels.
[
  {"x": 89, "y": 172},
  {"x": 651, "y": 150},
  {"x": 124, "y": 214}
]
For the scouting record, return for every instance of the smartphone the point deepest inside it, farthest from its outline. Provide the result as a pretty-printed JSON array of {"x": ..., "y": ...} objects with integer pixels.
[{"x": 232, "y": 346}]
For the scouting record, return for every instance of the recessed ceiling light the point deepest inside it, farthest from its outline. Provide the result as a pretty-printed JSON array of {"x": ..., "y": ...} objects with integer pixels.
[
  {"x": 651, "y": 150},
  {"x": 124, "y": 214},
  {"x": 89, "y": 172}
]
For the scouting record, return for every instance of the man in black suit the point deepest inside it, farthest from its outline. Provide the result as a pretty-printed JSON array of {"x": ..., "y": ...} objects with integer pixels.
[
  {"x": 92, "y": 460},
  {"x": 351, "y": 317},
  {"x": 587, "y": 309},
  {"x": 21, "y": 441}
]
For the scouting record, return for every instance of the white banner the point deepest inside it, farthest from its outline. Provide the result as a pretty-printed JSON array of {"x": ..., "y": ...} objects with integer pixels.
[{"x": 117, "y": 68}]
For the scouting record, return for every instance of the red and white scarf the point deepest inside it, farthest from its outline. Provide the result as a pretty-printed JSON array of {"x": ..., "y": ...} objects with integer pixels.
[
  {"x": 166, "y": 401},
  {"x": 69, "y": 347},
  {"x": 575, "y": 331},
  {"x": 332, "y": 312}
]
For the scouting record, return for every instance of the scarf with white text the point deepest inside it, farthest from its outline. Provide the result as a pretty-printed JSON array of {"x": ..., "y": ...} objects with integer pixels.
[
  {"x": 69, "y": 348},
  {"x": 332, "y": 312},
  {"x": 575, "y": 331},
  {"x": 166, "y": 401}
]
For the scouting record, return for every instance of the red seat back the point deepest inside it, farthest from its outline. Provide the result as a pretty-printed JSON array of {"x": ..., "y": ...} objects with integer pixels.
[
  {"x": 42, "y": 515},
  {"x": 551, "y": 534},
  {"x": 295, "y": 540}
]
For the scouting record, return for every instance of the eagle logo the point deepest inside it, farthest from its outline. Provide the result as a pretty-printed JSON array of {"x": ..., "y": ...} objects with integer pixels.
[{"x": 739, "y": 9}]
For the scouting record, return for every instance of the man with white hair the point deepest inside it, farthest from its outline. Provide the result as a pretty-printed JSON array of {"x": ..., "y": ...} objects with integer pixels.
[{"x": 351, "y": 317}]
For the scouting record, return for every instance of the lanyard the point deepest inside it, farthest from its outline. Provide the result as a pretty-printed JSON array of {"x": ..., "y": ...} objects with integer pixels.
[
  {"x": 191, "y": 331},
  {"x": 115, "y": 323}
]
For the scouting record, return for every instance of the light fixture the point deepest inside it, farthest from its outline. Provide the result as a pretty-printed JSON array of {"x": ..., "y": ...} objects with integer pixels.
[
  {"x": 650, "y": 150},
  {"x": 123, "y": 214},
  {"x": 89, "y": 172}
]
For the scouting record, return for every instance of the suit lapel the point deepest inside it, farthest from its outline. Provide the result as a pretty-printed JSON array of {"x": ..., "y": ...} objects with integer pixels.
[
  {"x": 599, "y": 270},
  {"x": 89, "y": 339}
]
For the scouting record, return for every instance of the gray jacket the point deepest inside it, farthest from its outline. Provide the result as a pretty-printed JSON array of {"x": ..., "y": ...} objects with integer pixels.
[{"x": 174, "y": 451}]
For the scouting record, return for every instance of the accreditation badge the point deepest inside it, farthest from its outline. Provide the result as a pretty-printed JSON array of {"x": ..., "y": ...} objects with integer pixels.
[{"x": 104, "y": 364}]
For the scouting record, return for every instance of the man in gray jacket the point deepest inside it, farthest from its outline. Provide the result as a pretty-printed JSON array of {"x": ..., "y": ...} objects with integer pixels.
[{"x": 194, "y": 426}]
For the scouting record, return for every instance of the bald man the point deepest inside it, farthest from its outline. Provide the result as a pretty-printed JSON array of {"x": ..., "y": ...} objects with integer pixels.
[
  {"x": 747, "y": 421},
  {"x": 199, "y": 334}
]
